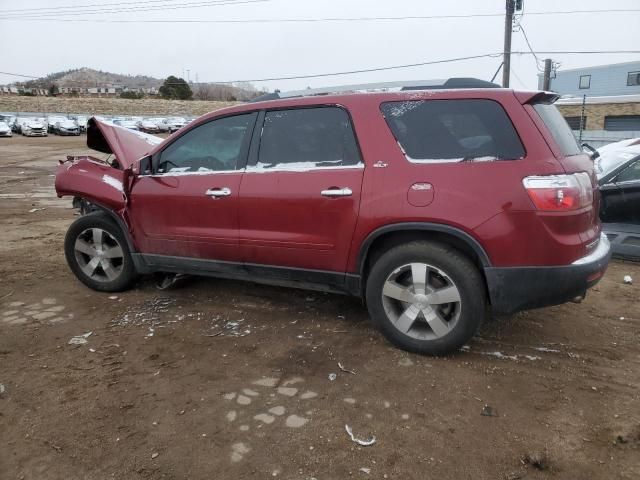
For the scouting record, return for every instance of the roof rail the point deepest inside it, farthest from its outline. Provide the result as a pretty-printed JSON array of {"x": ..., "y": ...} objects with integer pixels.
[{"x": 382, "y": 86}]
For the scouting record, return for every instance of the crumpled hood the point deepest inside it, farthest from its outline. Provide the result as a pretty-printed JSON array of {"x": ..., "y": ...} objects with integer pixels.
[{"x": 127, "y": 145}]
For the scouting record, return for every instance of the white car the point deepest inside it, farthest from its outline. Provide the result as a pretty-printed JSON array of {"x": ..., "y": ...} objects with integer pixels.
[
  {"x": 130, "y": 124},
  {"x": 161, "y": 123},
  {"x": 34, "y": 127},
  {"x": 5, "y": 131},
  {"x": 81, "y": 121},
  {"x": 175, "y": 123},
  {"x": 67, "y": 127},
  {"x": 52, "y": 121}
]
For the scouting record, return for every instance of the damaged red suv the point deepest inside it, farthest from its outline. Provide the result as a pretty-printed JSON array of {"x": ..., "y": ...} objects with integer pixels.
[{"x": 435, "y": 203}]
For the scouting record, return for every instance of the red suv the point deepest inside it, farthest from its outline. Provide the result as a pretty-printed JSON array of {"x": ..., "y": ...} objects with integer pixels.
[{"x": 431, "y": 203}]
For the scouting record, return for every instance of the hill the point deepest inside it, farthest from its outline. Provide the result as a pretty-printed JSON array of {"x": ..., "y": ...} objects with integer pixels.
[{"x": 88, "y": 77}]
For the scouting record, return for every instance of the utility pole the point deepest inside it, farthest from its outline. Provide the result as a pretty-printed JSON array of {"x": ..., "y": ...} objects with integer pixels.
[
  {"x": 546, "y": 79},
  {"x": 508, "y": 28}
]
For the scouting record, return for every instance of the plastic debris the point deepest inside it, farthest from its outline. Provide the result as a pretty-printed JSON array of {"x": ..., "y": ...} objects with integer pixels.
[
  {"x": 154, "y": 455},
  {"x": 2, "y": 389},
  {"x": 628, "y": 280},
  {"x": 364, "y": 443},
  {"x": 489, "y": 411},
  {"x": 332, "y": 377},
  {"x": 33, "y": 210},
  {"x": 169, "y": 280},
  {"x": 365, "y": 470},
  {"x": 341, "y": 367},
  {"x": 80, "y": 339}
]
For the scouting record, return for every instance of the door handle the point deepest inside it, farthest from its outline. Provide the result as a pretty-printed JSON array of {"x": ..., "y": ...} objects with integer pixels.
[
  {"x": 337, "y": 192},
  {"x": 218, "y": 192}
]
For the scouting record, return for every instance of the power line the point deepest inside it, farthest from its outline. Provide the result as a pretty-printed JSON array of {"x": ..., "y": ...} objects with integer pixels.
[
  {"x": 394, "y": 67},
  {"x": 44, "y": 16},
  {"x": 75, "y": 7},
  {"x": 173, "y": 6},
  {"x": 526, "y": 39}
]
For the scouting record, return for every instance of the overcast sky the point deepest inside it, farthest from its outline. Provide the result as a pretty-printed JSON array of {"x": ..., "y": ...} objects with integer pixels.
[{"x": 238, "y": 51}]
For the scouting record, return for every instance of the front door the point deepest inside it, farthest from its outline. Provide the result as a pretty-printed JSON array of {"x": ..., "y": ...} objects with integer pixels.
[
  {"x": 188, "y": 206},
  {"x": 300, "y": 194},
  {"x": 621, "y": 197}
]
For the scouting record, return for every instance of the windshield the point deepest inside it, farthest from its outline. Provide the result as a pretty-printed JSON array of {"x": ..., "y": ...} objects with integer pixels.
[{"x": 609, "y": 160}]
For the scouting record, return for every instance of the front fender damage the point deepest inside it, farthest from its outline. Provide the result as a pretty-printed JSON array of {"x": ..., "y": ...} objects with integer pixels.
[{"x": 94, "y": 181}]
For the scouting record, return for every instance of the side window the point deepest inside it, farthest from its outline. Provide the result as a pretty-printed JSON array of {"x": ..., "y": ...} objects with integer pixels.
[
  {"x": 630, "y": 174},
  {"x": 219, "y": 145},
  {"x": 307, "y": 138},
  {"x": 453, "y": 130}
]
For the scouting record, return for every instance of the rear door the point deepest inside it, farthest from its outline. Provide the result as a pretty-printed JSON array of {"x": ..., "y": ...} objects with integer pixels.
[
  {"x": 188, "y": 206},
  {"x": 300, "y": 194}
]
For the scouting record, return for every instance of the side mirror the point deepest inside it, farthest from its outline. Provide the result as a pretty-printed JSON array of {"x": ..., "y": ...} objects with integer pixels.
[
  {"x": 593, "y": 153},
  {"x": 143, "y": 166}
]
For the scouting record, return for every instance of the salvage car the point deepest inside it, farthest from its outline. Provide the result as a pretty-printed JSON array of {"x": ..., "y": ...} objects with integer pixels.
[
  {"x": 5, "y": 131},
  {"x": 618, "y": 171},
  {"x": 434, "y": 205},
  {"x": 174, "y": 123},
  {"x": 147, "y": 126},
  {"x": 67, "y": 127},
  {"x": 161, "y": 123},
  {"x": 33, "y": 127},
  {"x": 129, "y": 124},
  {"x": 52, "y": 121}
]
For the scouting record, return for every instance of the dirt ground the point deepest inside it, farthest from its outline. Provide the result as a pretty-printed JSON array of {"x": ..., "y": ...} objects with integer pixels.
[{"x": 225, "y": 380}]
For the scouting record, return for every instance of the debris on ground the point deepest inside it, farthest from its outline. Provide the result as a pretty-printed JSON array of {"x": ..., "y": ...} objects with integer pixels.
[
  {"x": 33, "y": 210},
  {"x": 628, "y": 280},
  {"x": 538, "y": 460},
  {"x": 2, "y": 389},
  {"x": 489, "y": 411},
  {"x": 170, "y": 279},
  {"x": 154, "y": 455},
  {"x": 341, "y": 367},
  {"x": 364, "y": 443},
  {"x": 365, "y": 470},
  {"x": 80, "y": 339},
  {"x": 332, "y": 377}
]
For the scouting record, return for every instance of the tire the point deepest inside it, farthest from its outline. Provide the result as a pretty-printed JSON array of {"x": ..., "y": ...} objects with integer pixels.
[
  {"x": 111, "y": 263},
  {"x": 417, "y": 318}
]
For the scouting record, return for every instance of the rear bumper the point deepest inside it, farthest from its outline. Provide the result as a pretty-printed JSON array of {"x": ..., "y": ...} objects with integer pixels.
[{"x": 521, "y": 288}]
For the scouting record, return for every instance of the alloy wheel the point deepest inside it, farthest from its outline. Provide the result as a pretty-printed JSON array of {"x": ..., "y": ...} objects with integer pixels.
[
  {"x": 421, "y": 301},
  {"x": 99, "y": 255}
]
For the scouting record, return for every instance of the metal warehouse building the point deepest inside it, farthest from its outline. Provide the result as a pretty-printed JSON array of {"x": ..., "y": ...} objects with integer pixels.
[{"x": 604, "y": 99}]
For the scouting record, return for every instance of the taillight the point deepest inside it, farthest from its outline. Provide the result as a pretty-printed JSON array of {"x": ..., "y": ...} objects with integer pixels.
[{"x": 557, "y": 193}]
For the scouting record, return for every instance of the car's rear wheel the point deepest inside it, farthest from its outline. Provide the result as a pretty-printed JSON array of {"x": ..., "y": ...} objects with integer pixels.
[
  {"x": 426, "y": 297},
  {"x": 98, "y": 255}
]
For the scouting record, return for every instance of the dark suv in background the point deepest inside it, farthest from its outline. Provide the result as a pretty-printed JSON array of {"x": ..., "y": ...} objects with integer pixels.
[{"x": 433, "y": 203}]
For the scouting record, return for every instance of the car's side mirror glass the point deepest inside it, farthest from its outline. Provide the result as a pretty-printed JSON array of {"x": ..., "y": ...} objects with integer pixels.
[{"x": 143, "y": 166}]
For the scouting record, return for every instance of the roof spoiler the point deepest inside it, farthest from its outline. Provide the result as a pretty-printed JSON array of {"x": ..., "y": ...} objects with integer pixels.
[{"x": 536, "y": 97}]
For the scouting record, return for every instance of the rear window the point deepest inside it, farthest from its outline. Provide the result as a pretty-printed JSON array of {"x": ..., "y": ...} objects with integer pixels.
[
  {"x": 453, "y": 130},
  {"x": 559, "y": 128}
]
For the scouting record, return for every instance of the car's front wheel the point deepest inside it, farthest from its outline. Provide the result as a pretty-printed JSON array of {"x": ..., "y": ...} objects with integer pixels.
[
  {"x": 97, "y": 253},
  {"x": 426, "y": 297}
]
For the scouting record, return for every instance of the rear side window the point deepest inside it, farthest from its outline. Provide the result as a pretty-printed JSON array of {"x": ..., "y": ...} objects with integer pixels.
[
  {"x": 453, "y": 130},
  {"x": 307, "y": 138},
  {"x": 559, "y": 128}
]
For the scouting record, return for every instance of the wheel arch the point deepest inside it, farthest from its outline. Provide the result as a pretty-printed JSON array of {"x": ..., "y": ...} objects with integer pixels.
[{"x": 383, "y": 238}]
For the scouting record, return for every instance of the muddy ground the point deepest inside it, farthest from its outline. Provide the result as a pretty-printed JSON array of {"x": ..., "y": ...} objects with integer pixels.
[{"x": 227, "y": 380}]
